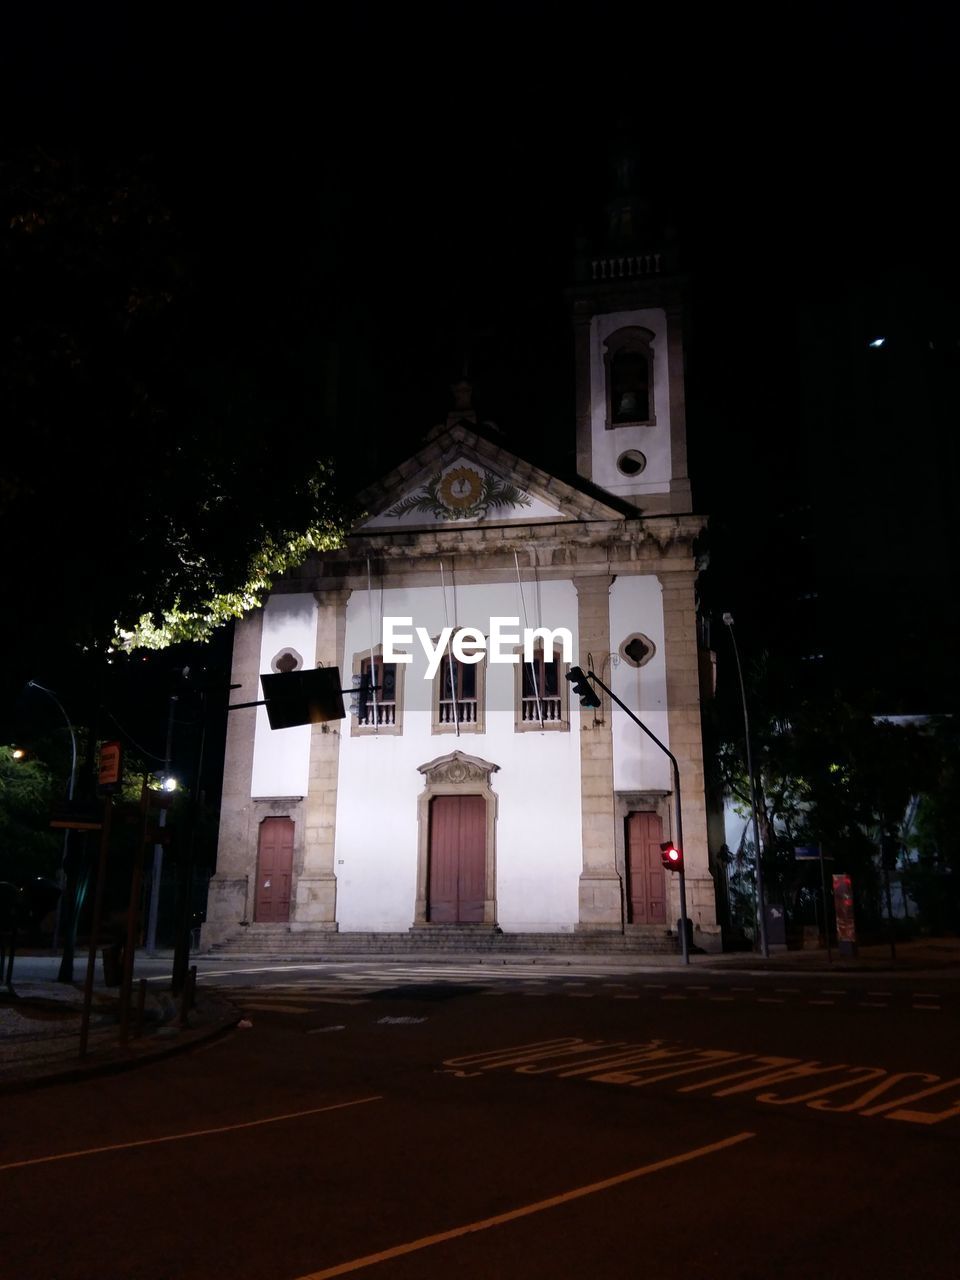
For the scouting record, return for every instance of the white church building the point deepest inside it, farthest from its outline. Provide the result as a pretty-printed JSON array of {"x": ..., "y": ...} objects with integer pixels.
[{"x": 468, "y": 789}]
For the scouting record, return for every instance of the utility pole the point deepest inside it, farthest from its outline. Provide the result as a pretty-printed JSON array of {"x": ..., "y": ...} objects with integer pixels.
[{"x": 761, "y": 901}]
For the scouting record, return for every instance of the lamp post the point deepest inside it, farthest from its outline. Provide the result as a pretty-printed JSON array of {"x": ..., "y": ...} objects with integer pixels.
[
  {"x": 761, "y": 904},
  {"x": 157, "y": 874},
  {"x": 32, "y": 684},
  {"x": 73, "y": 907}
]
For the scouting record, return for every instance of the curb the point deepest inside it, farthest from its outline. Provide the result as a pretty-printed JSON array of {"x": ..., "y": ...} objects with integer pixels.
[{"x": 114, "y": 1061}]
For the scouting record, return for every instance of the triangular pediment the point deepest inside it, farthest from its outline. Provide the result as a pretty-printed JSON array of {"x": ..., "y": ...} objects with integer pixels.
[{"x": 463, "y": 479}]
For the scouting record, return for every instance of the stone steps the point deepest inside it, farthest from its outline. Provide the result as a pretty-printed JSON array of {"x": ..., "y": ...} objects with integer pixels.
[{"x": 280, "y": 942}]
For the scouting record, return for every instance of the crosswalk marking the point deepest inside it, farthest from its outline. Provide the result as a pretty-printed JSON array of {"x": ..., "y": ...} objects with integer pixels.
[{"x": 363, "y": 984}]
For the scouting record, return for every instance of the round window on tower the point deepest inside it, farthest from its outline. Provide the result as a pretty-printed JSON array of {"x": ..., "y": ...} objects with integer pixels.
[{"x": 631, "y": 463}]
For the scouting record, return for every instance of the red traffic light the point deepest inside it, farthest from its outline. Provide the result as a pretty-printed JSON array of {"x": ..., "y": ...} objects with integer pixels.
[{"x": 671, "y": 856}]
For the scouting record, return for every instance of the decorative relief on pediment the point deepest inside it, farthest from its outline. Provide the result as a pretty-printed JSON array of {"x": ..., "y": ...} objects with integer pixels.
[
  {"x": 458, "y": 768},
  {"x": 464, "y": 492}
]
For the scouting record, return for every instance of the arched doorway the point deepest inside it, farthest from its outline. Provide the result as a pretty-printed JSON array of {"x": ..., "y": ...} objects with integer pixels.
[{"x": 456, "y": 864}]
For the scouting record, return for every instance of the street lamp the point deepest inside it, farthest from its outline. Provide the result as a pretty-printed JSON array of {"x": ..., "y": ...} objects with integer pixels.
[
  {"x": 153, "y": 910},
  {"x": 32, "y": 684},
  {"x": 66, "y": 870},
  {"x": 761, "y": 905}
]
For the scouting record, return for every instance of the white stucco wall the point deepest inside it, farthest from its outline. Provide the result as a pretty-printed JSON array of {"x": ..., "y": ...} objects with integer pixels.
[
  {"x": 636, "y": 605},
  {"x": 653, "y": 442},
  {"x": 538, "y": 845},
  {"x": 281, "y": 757}
]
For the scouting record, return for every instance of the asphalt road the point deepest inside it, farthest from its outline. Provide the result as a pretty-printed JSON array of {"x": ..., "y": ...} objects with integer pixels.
[{"x": 417, "y": 1121}]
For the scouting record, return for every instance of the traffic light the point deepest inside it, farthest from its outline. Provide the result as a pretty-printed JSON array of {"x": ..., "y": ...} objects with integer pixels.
[
  {"x": 671, "y": 856},
  {"x": 582, "y": 688}
]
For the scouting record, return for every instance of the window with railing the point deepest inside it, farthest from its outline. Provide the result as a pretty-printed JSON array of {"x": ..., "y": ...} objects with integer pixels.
[
  {"x": 542, "y": 701},
  {"x": 378, "y": 698},
  {"x": 458, "y": 696}
]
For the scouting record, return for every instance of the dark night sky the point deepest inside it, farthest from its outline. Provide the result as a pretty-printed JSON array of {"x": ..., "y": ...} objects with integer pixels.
[{"x": 403, "y": 182}]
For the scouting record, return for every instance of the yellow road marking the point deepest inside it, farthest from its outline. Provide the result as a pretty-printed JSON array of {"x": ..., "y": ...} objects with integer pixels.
[
  {"x": 425, "y": 1242},
  {"x": 179, "y": 1137}
]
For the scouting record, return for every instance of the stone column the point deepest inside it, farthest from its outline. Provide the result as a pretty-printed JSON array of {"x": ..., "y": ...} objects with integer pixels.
[
  {"x": 686, "y": 743},
  {"x": 601, "y": 899},
  {"x": 316, "y": 892},
  {"x": 228, "y": 897}
]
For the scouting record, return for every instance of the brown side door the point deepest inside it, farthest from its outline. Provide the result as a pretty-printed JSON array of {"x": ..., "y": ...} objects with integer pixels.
[
  {"x": 645, "y": 877},
  {"x": 274, "y": 871},
  {"x": 458, "y": 840}
]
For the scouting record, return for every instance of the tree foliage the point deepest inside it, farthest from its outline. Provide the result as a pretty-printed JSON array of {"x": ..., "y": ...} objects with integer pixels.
[
  {"x": 828, "y": 773},
  {"x": 159, "y": 435},
  {"x": 28, "y": 846}
]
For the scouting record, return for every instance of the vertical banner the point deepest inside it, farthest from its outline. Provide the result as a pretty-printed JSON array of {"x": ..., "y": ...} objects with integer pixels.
[{"x": 843, "y": 905}]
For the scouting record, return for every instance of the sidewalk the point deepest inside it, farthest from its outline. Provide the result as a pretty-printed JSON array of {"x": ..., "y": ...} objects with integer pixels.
[
  {"x": 933, "y": 955},
  {"x": 40, "y": 1029}
]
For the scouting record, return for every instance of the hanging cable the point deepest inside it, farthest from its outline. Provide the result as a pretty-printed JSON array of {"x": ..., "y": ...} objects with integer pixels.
[
  {"x": 532, "y": 665},
  {"x": 446, "y": 623},
  {"x": 373, "y": 668}
]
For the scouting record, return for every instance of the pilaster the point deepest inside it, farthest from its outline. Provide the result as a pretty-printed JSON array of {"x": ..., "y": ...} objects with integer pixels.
[
  {"x": 227, "y": 900},
  {"x": 601, "y": 898},
  {"x": 686, "y": 743},
  {"x": 316, "y": 889}
]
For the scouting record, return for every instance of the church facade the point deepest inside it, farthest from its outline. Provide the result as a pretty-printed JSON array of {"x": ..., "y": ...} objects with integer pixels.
[{"x": 467, "y": 786}]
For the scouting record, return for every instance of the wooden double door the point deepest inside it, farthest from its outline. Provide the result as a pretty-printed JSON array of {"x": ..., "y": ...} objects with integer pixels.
[
  {"x": 456, "y": 886},
  {"x": 646, "y": 885}
]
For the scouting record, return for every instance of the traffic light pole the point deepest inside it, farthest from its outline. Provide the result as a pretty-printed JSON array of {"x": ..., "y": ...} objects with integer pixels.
[{"x": 684, "y": 944}]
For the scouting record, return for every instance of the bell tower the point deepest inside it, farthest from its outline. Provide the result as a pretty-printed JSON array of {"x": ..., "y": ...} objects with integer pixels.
[{"x": 628, "y": 325}]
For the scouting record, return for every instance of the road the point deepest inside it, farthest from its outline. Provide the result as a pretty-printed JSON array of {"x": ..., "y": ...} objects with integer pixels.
[{"x": 411, "y": 1120}]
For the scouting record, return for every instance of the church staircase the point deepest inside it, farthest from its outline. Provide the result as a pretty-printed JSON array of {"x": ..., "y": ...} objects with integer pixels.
[{"x": 281, "y": 942}]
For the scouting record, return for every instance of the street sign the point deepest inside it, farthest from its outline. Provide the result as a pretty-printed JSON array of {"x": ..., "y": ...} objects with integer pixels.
[
  {"x": 810, "y": 853},
  {"x": 77, "y": 816},
  {"x": 110, "y": 777}
]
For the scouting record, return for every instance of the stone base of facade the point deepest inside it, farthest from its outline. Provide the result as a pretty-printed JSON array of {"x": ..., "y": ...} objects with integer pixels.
[
  {"x": 226, "y": 908},
  {"x": 316, "y": 902},
  {"x": 601, "y": 902}
]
